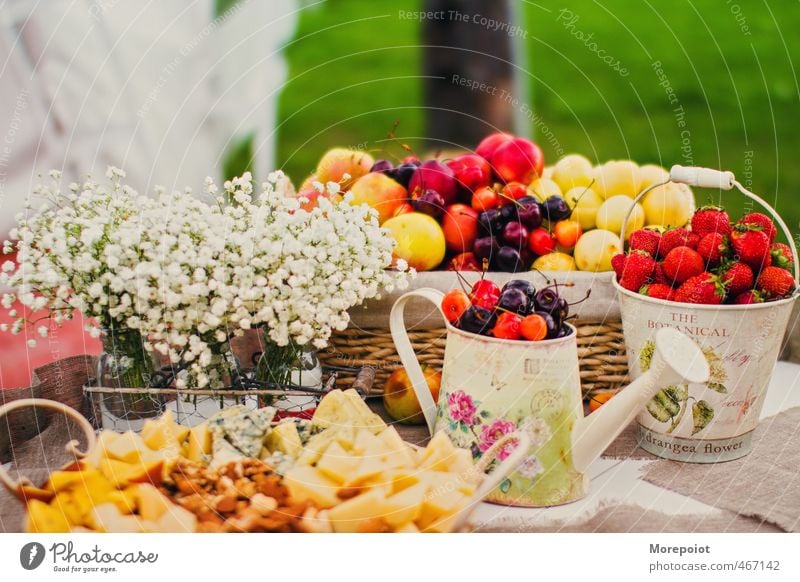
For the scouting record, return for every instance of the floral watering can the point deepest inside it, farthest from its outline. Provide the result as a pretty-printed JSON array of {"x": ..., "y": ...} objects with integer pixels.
[{"x": 492, "y": 387}]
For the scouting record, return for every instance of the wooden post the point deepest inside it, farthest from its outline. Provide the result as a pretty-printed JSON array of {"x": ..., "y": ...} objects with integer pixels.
[{"x": 467, "y": 43}]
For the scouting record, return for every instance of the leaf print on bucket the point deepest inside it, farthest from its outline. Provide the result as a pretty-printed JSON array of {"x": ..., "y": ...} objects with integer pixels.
[{"x": 491, "y": 433}]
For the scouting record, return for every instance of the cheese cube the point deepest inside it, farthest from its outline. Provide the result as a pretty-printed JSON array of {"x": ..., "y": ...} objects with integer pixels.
[
  {"x": 337, "y": 464},
  {"x": 305, "y": 483},
  {"x": 199, "y": 442},
  {"x": 349, "y": 516},
  {"x": 405, "y": 506}
]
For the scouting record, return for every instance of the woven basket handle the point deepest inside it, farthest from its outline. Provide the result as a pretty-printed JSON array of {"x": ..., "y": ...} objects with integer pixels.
[
  {"x": 405, "y": 350},
  {"x": 17, "y": 487}
]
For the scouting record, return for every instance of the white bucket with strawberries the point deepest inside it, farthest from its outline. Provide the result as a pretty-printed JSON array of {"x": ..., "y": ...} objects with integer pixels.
[{"x": 731, "y": 288}]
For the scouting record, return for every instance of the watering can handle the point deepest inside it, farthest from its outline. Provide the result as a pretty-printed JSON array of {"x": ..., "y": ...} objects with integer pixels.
[
  {"x": 710, "y": 178},
  {"x": 408, "y": 358}
]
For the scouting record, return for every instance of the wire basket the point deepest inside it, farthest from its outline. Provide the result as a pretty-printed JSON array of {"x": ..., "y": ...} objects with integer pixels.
[{"x": 123, "y": 409}]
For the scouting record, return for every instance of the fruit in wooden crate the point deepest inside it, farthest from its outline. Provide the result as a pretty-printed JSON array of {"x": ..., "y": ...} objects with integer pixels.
[
  {"x": 517, "y": 160},
  {"x": 544, "y": 188},
  {"x": 611, "y": 215},
  {"x": 380, "y": 192},
  {"x": 572, "y": 171},
  {"x": 555, "y": 261},
  {"x": 437, "y": 176},
  {"x": 650, "y": 174},
  {"x": 594, "y": 250},
  {"x": 400, "y": 400},
  {"x": 617, "y": 178},
  {"x": 491, "y": 142},
  {"x": 585, "y": 203},
  {"x": 670, "y": 205},
  {"x": 338, "y": 162},
  {"x": 460, "y": 228},
  {"x": 420, "y": 240}
]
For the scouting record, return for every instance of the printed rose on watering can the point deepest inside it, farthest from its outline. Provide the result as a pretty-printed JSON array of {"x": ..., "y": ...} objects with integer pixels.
[{"x": 493, "y": 387}]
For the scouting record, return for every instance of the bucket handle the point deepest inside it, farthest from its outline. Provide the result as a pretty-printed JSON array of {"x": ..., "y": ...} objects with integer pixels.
[
  {"x": 710, "y": 178},
  {"x": 405, "y": 350}
]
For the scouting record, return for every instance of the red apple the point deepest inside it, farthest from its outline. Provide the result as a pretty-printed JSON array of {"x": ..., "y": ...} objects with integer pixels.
[
  {"x": 381, "y": 193},
  {"x": 471, "y": 171},
  {"x": 491, "y": 142},
  {"x": 434, "y": 175},
  {"x": 518, "y": 160},
  {"x": 460, "y": 226},
  {"x": 340, "y": 161}
]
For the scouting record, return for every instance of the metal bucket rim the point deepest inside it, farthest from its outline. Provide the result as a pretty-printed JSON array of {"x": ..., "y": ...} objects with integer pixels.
[
  {"x": 704, "y": 307},
  {"x": 519, "y": 342}
]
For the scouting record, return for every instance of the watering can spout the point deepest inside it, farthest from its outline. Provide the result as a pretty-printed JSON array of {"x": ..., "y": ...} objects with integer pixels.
[{"x": 676, "y": 360}]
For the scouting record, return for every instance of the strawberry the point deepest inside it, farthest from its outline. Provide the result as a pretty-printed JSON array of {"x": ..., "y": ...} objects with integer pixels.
[
  {"x": 751, "y": 245},
  {"x": 618, "y": 264},
  {"x": 711, "y": 219},
  {"x": 737, "y": 277},
  {"x": 748, "y": 297},
  {"x": 645, "y": 240},
  {"x": 658, "y": 275},
  {"x": 638, "y": 268},
  {"x": 782, "y": 256},
  {"x": 704, "y": 288},
  {"x": 775, "y": 282},
  {"x": 676, "y": 237},
  {"x": 682, "y": 263},
  {"x": 712, "y": 247},
  {"x": 760, "y": 220},
  {"x": 657, "y": 291}
]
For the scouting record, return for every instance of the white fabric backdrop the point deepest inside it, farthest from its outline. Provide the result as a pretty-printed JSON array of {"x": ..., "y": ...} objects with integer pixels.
[{"x": 160, "y": 88}]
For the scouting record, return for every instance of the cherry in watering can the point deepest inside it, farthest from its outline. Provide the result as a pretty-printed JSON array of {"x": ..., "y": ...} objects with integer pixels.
[{"x": 492, "y": 387}]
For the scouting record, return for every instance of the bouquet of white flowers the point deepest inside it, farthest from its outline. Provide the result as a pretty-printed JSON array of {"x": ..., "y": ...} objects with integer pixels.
[{"x": 186, "y": 274}]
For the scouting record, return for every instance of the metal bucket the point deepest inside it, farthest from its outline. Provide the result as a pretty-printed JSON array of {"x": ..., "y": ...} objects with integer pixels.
[{"x": 713, "y": 421}]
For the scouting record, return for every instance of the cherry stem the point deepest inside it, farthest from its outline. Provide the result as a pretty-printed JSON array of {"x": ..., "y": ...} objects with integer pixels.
[{"x": 588, "y": 292}]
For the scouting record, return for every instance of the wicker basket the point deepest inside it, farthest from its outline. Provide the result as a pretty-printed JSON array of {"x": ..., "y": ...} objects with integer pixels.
[{"x": 601, "y": 346}]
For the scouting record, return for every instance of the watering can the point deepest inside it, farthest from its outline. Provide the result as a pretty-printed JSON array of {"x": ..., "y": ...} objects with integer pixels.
[{"x": 493, "y": 387}]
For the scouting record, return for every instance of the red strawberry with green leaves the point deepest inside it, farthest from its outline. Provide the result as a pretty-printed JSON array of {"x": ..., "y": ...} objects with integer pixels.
[
  {"x": 618, "y": 264},
  {"x": 748, "y": 297},
  {"x": 737, "y": 277},
  {"x": 751, "y": 245},
  {"x": 782, "y": 256},
  {"x": 638, "y": 267},
  {"x": 713, "y": 247},
  {"x": 710, "y": 219},
  {"x": 761, "y": 220},
  {"x": 676, "y": 237},
  {"x": 657, "y": 291},
  {"x": 775, "y": 282},
  {"x": 681, "y": 263},
  {"x": 645, "y": 240},
  {"x": 704, "y": 289}
]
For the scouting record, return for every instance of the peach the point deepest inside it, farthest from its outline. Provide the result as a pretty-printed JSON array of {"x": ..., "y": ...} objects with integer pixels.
[
  {"x": 491, "y": 142},
  {"x": 381, "y": 193},
  {"x": 518, "y": 160},
  {"x": 340, "y": 161},
  {"x": 400, "y": 400},
  {"x": 460, "y": 226},
  {"x": 420, "y": 240}
]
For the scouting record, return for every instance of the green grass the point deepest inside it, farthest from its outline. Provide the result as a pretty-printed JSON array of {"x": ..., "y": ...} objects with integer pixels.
[{"x": 355, "y": 68}]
